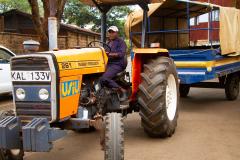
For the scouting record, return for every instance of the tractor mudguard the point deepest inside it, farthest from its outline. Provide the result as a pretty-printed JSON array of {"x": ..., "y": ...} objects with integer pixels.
[
  {"x": 150, "y": 51},
  {"x": 141, "y": 55}
]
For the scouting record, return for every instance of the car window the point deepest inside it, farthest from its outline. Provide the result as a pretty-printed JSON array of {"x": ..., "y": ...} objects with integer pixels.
[{"x": 4, "y": 56}]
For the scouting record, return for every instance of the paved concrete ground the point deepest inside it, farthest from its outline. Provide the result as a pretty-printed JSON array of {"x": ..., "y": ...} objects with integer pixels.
[{"x": 208, "y": 129}]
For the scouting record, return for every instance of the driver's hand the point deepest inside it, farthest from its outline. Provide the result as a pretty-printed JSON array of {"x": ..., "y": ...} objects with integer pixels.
[{"x": 112, "y": 55}]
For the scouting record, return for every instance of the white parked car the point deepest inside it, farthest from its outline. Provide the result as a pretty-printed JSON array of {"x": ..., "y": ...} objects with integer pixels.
[{"x": 5, "y": 73}]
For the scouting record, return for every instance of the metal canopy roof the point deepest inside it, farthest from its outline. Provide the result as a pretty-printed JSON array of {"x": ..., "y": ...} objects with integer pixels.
[
  {"x": 179, "y": 8},
  {"x": 118, "y": 2}
]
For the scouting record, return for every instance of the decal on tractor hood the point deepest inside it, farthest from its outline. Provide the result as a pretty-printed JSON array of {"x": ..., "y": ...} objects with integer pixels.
[
  {"x": 70, "y": 88},
  {"x": 78, "y": 64}
]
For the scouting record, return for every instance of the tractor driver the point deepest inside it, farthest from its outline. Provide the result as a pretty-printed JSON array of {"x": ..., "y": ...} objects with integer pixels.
[{"x": 116, "y": 61}]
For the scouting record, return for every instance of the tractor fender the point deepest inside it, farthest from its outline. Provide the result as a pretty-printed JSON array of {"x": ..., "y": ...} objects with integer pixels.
[
  {"x": 151, "y": 51},
  {"x": 141, "y": 55}
]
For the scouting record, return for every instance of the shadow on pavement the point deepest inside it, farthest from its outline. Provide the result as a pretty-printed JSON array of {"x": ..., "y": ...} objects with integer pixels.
[{"x": 5, "y": 97}]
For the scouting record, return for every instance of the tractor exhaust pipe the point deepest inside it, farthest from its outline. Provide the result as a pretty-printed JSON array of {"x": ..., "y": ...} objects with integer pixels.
[{"x": 52, "y": 33}]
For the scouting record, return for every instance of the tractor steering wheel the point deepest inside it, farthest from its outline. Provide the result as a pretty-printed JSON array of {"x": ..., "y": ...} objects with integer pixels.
[{"x": 100, "y": 44}]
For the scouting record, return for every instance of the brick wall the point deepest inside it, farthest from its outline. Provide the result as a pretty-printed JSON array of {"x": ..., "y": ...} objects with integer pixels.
[
  {"x": 201, "y": 36},
  {"x": 14, "y": 41}
]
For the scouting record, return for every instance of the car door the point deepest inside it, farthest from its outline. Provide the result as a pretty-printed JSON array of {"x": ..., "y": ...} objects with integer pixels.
[{"x": 5, "y": 74}]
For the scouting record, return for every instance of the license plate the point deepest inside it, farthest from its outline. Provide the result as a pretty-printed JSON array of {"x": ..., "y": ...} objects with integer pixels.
[{"x": 31, "y": 76}]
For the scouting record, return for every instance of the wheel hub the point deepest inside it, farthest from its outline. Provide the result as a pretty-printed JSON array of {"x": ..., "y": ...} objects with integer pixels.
[{"x": 171, "y": 97}]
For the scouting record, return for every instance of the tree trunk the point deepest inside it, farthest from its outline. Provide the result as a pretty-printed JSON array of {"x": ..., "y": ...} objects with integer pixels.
[
  {"x": 38, "y": 25},
  {"x": 46, "y": 15},
  {"x": 41, "y": 24},
  {"x": 60, "y": 9}
]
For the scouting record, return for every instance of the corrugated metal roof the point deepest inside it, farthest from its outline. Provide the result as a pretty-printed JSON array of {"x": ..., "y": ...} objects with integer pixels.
[{"x": 117, "y": 2}]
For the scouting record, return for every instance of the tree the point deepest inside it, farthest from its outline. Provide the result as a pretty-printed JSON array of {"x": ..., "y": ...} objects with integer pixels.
[
  {"x": 86, "y": 16},
  {"x": 21, "y": 5},
  {"x": 41, "y": 24},
  {"x": 75, "y": 12}
]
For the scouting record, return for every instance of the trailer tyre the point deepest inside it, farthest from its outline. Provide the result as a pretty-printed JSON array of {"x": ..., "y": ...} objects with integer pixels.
[
  {"x": 232, "y": 87},
  {"x": 158, "y": 97},
  {"x": 114, "y": 137},
  {"x": 184, "y": 90}
]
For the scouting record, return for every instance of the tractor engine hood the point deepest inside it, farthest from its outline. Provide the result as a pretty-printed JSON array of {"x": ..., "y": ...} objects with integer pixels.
[{"x": 80, "y": 61}]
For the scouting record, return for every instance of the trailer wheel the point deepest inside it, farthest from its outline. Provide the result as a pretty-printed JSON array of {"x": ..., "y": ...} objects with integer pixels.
[
  {"x": 158, "y": 97},
  {"x": 232, "y": 87},
  {"x": 13, "y": 154},
  {"x": 184, "y": 90},
  {"x": 114, "y": 137}
]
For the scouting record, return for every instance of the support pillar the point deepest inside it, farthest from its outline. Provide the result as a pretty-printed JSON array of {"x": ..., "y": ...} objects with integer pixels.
[
  {"x": 144, "y": 26},
  {"x": 103, "y": 26}
]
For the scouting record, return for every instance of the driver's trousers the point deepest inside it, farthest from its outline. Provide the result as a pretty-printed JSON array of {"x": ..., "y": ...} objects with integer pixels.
[{"x": 111, "y": 72}]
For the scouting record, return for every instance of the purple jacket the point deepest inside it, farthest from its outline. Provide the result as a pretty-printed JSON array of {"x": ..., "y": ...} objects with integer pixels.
[{"x": 118, "y": 46}]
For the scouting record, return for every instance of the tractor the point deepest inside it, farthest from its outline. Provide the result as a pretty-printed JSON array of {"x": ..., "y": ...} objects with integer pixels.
[{"x": 59, "y": 90}]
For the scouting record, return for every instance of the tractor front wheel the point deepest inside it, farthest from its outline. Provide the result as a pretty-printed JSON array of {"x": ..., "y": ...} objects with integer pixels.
[
  {"x": 114, "y": 137},
  {"x": 158, "y": 97}
]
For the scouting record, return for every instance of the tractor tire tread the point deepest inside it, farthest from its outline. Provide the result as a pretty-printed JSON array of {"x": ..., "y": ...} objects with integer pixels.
[{"x": 151, "y": 97}]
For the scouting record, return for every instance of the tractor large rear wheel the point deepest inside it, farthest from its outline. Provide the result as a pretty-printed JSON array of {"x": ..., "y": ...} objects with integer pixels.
[{"x": 158, "y": 97}]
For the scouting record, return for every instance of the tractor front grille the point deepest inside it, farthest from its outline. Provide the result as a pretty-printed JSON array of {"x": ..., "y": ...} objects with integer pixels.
[
  {"x": 32, "y": 106},
  {"x": 30, "y": 63},
  {"x": 29, "y": 110}
]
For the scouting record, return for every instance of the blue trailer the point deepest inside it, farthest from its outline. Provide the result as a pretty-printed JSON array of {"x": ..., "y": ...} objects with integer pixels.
[{"x": 195, "y": 65}]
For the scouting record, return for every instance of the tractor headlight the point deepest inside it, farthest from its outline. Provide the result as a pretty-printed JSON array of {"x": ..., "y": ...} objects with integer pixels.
[
  {"x": 20, "y": 93},
  {"x": 43, "y": 94}
]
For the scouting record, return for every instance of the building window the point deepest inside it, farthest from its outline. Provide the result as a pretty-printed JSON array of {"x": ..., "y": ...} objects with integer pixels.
[
  {"x": 194, "y": 21},
  {"x": 215, "y": 15}
]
